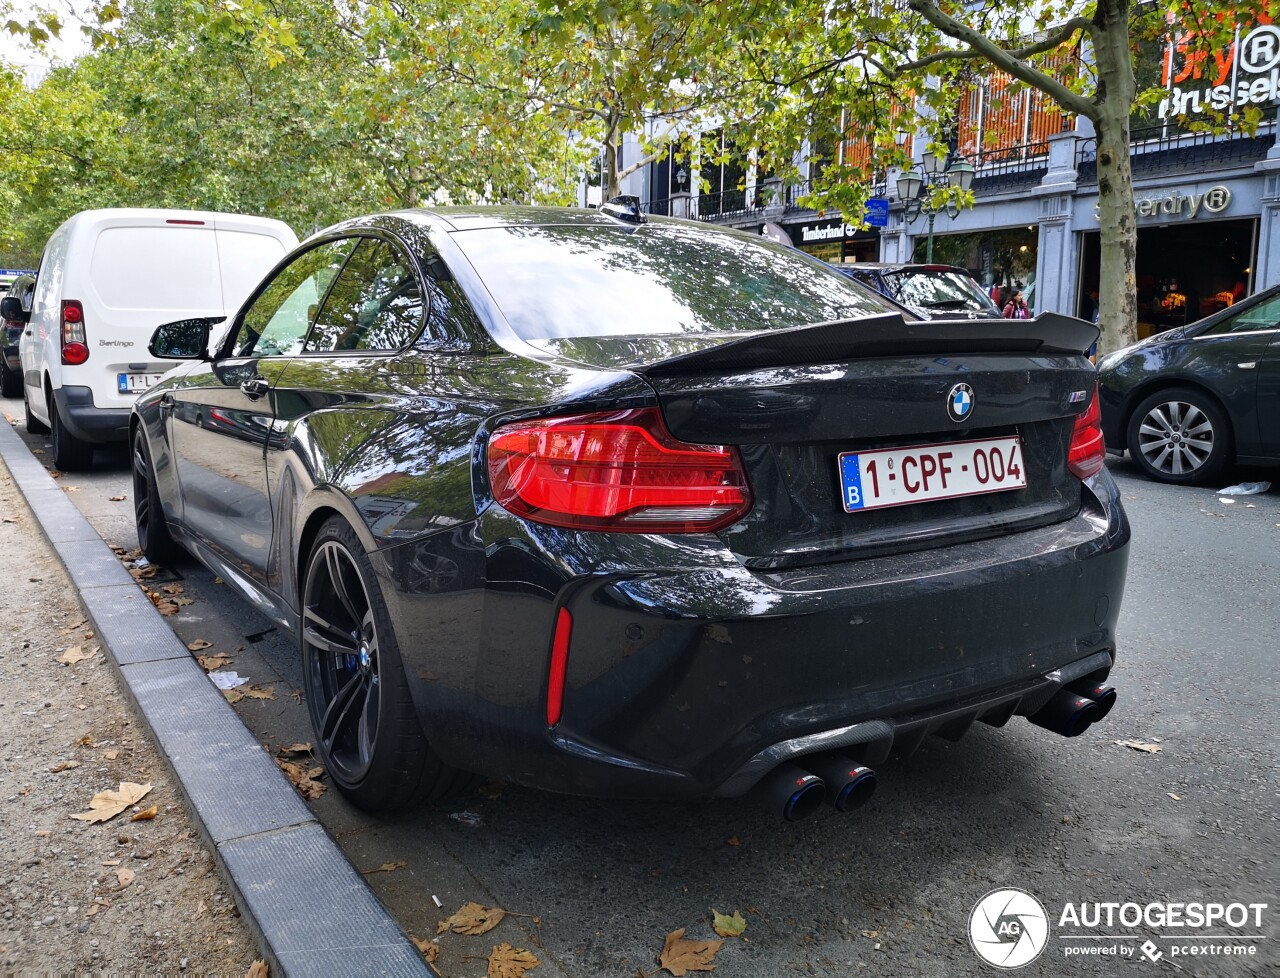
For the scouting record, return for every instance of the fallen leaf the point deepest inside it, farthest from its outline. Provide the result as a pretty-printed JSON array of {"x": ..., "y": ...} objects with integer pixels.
[
  {"x": 146, "y": 815},
  {"x": 144, "y": 573},
  {"x": 211, "y": 662},
  {"x": 258, "y": 969},
  {"x": 86, "y": 741},
  {"x": 125, "y": 876},
  {"x": 54, "y": 474},
  {"x": 167, "y": 608},
  {"x": 257, "y": 693},
  {"x": 111, "y": 755},
  {"x": 430, "y": 950},
  {"x": 71, "y": 488},
  {"x": 733, "y": 840},
  {"x": 63, "y": 766},
  {"x": 304, "y": 778},
  {"x": 472, "y": 919},
  {"x": 111, "y": 862},
  {"x": 1173, "y": 796},
  {"x": 726, "y": 925},
  {"x": 75, "y": 654},
  {"x": 1138, "y": 745},
  {"x": 116, "y": 499},
  {"x": 106, "y": 805},
  {"x": 92, "y": 910},
  {"x": 199, "y": 645},
  {"x": 506, "y": 961},
  {"x": 181, "y": 602},
  {"x": 294, "y": 750},
  {"x": 492, "y": 789},
  {"x": 384, "y": 868},
  {"x": 873, "y": 934},
  {"x": 680, "y": 956}
]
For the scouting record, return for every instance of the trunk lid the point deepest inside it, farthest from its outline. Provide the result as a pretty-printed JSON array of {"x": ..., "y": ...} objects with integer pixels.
[{"x": 795, "y": 400}]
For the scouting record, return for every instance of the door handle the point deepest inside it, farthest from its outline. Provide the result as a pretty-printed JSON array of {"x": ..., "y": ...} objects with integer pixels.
[
  {"x": 1250, "y": 365},
  {"x": 256, "y": 386}
]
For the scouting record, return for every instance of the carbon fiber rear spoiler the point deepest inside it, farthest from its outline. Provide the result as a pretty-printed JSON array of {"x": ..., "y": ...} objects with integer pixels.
[{"x": 885, "y": 336}]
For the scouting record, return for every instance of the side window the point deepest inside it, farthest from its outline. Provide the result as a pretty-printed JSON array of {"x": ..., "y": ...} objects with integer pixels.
[
  {"x": 1263, "y": 315},
  {"x": 376, "y": 303},
  {"x": 277, "y": 322},
  {"x": 452, "y": 324}
]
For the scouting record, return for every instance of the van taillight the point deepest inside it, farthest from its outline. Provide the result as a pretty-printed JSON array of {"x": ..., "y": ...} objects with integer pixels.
[
  {"x": 621, "y": 471},
  {"x": 1088, "y": 452},
  {"x": 75, "y": 347}
]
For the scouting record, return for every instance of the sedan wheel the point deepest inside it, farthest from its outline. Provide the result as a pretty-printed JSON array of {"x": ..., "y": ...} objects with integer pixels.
[
  {"x": 1179, "y": 436},
  {"x": 367, "y": 733},
  {"x": 154, "y": 539}
]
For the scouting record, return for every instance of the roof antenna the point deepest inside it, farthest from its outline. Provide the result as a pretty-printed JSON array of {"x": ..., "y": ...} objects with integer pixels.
[{"x": 624, "y": 208}]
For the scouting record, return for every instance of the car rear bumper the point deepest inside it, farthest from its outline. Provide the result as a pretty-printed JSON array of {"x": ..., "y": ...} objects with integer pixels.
[
  {"x": 695, "y": 680},
  {"x": 87, "y": 422}
]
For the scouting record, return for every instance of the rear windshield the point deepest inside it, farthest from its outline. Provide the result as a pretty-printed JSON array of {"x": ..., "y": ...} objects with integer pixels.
[
  {"x": 557, "y": 282},
  {"x": 938, "y": 289},
  {"x": 157, "y": 268}
]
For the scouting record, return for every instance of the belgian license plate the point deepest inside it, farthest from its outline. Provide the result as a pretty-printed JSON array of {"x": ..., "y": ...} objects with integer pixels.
[
  {"x": 132, "y": 383},
  {"x": 901, "y": 476}
]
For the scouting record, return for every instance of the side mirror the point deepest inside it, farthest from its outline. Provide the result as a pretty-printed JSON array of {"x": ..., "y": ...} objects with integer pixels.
[
  {"x": 11, "y": 308},
  {"x": 186, "y": 339}
]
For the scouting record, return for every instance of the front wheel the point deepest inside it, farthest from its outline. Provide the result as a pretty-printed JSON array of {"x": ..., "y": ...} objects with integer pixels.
[
  {"x": 1179, "y": 435},
  {"x": 367, "y": 733},
  {"x": 154, "y": 539},
  {"x": 10, "y": 382}
]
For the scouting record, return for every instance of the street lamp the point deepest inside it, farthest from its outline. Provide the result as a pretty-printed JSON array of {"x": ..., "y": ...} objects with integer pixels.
[{"x": 915, "y": 186}]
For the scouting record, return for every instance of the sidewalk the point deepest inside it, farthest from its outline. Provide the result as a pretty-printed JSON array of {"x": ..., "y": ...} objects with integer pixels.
[
  {"x": 121, "y": 896},
  {"x": 310, "y": 911}
]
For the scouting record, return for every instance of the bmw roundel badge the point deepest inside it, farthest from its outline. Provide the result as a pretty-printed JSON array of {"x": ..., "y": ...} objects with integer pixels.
[{"x": 960, "y": 402}]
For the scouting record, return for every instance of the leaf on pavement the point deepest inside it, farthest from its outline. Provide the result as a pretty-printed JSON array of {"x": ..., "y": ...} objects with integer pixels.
[
  {"x": 71, "y": 488},
  {"x": 430, "y": 950},
  {"x": 1174, "y": 796},
  {"x": 258, "y": 969},
  {"x": 506, "y": 961},
  {"x": 199, "y": 645},
  {"x": 472, "y": 919},
  {"x": 146, "y": 815},
  {"x": 384, "y": 868},
  {"x": 727, "y": 925},
  {"x": 680, "y": 956},
  {"x": 117, "y": 499},
  {"x": 304, "y": 778},
  {"x": 211, "y": 662},
  {"x": 166, "y": 607},
  {"x": 75, "y": 654},
  {"x": 63, "y": 766},
  {"x": 294, "y": 750},
  {"x": 107, "y": 805},
  {"x": 1138, "y": 745},
  {"x": 125, "y": 876}
]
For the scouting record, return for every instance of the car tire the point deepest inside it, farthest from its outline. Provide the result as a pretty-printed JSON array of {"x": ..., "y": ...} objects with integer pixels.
[
  {"x": 367, "y": 733},
  {"x": 34, "y": 425},
  {"x": 1179, "y": 435},
  {"x": 154, "y": 539},
  {"x": 70, "y": 454},
  {"x": 10, "y": 382}
]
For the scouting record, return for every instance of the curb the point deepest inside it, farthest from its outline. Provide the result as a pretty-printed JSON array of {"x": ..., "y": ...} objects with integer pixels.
[{"x": 310, "y": 910}]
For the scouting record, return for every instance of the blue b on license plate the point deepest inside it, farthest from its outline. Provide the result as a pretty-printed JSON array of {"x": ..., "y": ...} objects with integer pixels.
[{"x": 901, "y": 476}]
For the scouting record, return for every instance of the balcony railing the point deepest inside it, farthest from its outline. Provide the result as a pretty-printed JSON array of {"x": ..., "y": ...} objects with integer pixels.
[
  {"x": 1010, "y": 167},
  {"x": 1156, "y": 151},
  {"x": 767, "y": 201}
]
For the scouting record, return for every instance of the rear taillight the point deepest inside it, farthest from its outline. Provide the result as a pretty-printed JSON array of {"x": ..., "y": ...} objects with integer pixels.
[
  {"x": 1088, "y": 451},
  {"x": 75, "y": 348},
  {"x": 620, "y": 471}
]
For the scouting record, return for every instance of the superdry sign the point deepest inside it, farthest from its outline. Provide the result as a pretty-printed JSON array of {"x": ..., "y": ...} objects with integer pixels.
[{"x": 1246, "y": 73}]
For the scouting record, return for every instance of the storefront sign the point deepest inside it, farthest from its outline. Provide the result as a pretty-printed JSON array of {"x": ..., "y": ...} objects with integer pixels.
[
  {"x": 1215, "y": 200},
  {"x": 1246, "y": 73},
  {"x": 877, "y": 212},
  {"x": 813, "y": 234}
]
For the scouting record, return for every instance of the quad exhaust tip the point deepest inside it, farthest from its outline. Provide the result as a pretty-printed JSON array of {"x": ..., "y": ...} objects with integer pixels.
[
  {"x": 1067, "y": 713},
  {"x": 799, "y": 791},
  {"x": 1103, "y": 695}
]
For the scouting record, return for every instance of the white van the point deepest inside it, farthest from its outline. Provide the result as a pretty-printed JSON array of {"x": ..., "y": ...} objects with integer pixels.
[{"x": 108, "y": 278}]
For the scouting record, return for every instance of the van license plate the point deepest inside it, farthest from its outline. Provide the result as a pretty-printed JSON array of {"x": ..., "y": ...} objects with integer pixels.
[
  {"x": 901, "y": 476},
  {"x": 132, "y": 383}
]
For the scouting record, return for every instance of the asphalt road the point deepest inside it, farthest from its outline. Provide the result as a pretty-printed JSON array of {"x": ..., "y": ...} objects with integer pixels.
[{"x": 889, "y": 889}]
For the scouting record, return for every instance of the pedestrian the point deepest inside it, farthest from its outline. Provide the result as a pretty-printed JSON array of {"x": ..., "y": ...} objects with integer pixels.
[{"x": 1017, "y": 308}]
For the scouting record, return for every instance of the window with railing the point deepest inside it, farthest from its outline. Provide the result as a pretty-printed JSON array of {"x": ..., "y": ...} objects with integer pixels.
[{"x": 1001, "y": 118}]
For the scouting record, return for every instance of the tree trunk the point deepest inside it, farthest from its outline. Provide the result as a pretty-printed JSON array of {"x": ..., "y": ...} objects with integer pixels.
[
  {"x": 611, "y": 183},
  {"x": 1117, "y": 218}
]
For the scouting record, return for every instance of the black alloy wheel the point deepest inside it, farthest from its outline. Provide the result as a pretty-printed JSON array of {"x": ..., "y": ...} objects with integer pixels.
[
  {"x": 154, "y": 539},
  {"x": 34, "y": 425},
  {"x": 1179, "y": 436},
  {"x": 367, "y": 733},
  {"x": 70, "y": 454}
]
